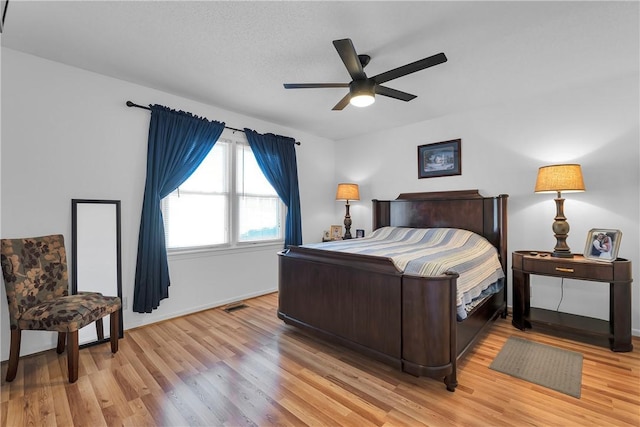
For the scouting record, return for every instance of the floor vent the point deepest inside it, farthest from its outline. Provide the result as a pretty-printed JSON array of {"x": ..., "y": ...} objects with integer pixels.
[{"x": 234, "y": 306}]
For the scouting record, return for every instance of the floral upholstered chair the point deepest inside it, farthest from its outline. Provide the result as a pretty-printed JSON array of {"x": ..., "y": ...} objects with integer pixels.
[{"x": 36, "y": 280}]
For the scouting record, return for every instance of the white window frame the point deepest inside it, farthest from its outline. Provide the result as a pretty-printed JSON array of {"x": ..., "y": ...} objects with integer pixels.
[{"x": 233, "y": 214}]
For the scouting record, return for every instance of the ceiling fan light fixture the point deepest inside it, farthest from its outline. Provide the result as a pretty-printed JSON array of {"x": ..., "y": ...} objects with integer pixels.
[
  {"x": 362, "y": 93},
  {"x": 363, "y": 100},
  {"x": 363, "y": 89}
]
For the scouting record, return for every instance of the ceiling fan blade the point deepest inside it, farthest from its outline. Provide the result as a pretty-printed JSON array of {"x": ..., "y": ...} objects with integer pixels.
[
  {"x": 313, "y": 85},
  {"x": 350, "y": 58},
  {"x": 410, "y": 68},
  {"x": 342, "y": 103},
  {"x": 393, "y": 93}
]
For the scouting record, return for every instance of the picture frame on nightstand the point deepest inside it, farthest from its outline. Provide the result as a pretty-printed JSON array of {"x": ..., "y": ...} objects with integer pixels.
[
  {"x": 336, "y": 232},
  {"x": 602, "y": 244}
]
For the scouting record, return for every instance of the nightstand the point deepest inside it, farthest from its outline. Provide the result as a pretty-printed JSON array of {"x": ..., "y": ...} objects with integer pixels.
[{"x": 615, "y": 333}]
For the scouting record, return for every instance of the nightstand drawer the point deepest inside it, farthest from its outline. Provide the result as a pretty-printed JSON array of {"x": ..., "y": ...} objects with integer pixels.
[{"x": 577, "y": 270}]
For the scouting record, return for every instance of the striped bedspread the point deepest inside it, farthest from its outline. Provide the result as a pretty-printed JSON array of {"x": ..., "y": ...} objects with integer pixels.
[{"x": 431, "y": 252}]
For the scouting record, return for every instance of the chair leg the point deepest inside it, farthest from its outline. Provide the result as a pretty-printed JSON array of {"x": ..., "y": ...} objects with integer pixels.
[
  {"x": 14, "y": 354},
  {"x": 73, "y": 355},
  {"x": 99, "y": 329},
  {"x": 62, "y": 340},
  {"x": 115, "y": 330}
]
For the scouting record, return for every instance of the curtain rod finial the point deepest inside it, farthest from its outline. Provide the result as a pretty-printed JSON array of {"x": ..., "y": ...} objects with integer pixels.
[{"x": 132, "y": 104}]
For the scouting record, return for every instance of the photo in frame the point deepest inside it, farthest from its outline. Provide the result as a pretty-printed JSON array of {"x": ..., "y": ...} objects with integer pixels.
[
  {"x": 359, "y": 232},
  {"x": 336, "y": 232},
  {"x": 602, "y": 244},
  {"x": 439, "y": 159}
]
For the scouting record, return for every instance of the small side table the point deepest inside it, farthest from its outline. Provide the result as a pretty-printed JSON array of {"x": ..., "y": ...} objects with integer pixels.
[{"x": 594, "y": 331}]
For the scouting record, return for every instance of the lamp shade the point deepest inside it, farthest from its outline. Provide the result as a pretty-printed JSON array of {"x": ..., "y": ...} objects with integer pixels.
[
  {"x": 347, "y": 192},
  {"x": 556, "y": 178}
]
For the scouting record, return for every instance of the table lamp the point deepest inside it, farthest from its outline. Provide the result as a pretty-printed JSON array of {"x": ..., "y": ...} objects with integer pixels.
[
  {"x": 559, "y": 178},
  {"x": 347, "y": 192}
]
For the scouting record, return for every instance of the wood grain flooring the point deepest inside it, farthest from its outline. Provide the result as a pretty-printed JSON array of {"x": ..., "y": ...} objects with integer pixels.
[{"x": 247, "y": 368}]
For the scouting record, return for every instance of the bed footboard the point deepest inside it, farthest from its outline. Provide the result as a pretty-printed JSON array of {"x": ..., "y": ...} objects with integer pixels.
[
  {"x": 355, "y": 301},
  {"x": 363, "y": 303}
]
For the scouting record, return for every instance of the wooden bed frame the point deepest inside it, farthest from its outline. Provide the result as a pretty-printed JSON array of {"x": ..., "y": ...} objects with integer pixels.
[{"x": 364, "y": 303}]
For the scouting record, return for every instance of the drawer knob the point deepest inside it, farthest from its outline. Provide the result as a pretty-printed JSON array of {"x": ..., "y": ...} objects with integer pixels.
[{"x": 564, "y": 270}]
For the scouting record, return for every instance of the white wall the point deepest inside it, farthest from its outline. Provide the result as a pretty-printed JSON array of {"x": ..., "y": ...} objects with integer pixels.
[
  {"x": 66, "y": 133},
  {"x": 502, "y": 148}
]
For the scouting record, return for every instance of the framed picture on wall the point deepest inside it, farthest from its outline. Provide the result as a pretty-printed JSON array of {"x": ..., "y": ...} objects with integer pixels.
[
  {"x": 336, "y": 232},
  {"x": 602, "y": 244},
  {"x": 439, "y": 159}
]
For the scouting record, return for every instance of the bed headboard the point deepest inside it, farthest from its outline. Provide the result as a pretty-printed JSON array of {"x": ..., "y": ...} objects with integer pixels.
[{"x": 465, "y": 209}]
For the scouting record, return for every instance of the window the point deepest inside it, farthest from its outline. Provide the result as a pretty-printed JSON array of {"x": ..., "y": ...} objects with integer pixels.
[{"x": 227, "y": 201}]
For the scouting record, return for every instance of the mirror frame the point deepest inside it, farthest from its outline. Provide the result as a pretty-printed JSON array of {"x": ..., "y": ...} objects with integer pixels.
[{"x": 114, "y": 222}]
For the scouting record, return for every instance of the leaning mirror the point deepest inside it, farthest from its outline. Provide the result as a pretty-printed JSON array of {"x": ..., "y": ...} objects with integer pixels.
[{"x": 96, "y": 264}]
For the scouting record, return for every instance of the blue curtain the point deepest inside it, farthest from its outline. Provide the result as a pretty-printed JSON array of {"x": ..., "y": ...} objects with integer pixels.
[
  {"x": 276, "y": 156},
  {"x": 178, "y": 142}
]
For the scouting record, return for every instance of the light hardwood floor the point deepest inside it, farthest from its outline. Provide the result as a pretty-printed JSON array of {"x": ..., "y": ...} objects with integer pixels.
[{"x": 247, "y": 368}]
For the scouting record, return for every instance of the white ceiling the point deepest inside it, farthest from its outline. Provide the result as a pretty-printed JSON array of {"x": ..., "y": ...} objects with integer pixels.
[{"x": 237, "y": 54}]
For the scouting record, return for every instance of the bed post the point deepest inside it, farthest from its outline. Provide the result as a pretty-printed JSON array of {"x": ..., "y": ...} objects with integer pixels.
[
  {"x": 503, "y": 247},
  {"x": 381, "y": 214},
  {"x": 451, "y": 380}
]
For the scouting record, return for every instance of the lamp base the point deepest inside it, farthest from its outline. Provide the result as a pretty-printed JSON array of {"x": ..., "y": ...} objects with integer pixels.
[
  {"x": 347, "y": 224},
  {"x": 560, "y": 231},
  {"x": 556, "y": 254}
]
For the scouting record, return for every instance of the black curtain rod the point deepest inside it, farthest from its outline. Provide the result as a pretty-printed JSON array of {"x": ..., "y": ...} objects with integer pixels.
[{"x": 132, "y": 104}]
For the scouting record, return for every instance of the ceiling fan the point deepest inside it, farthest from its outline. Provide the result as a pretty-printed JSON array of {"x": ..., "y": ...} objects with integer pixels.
[{"x": 362, "y": 89}]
